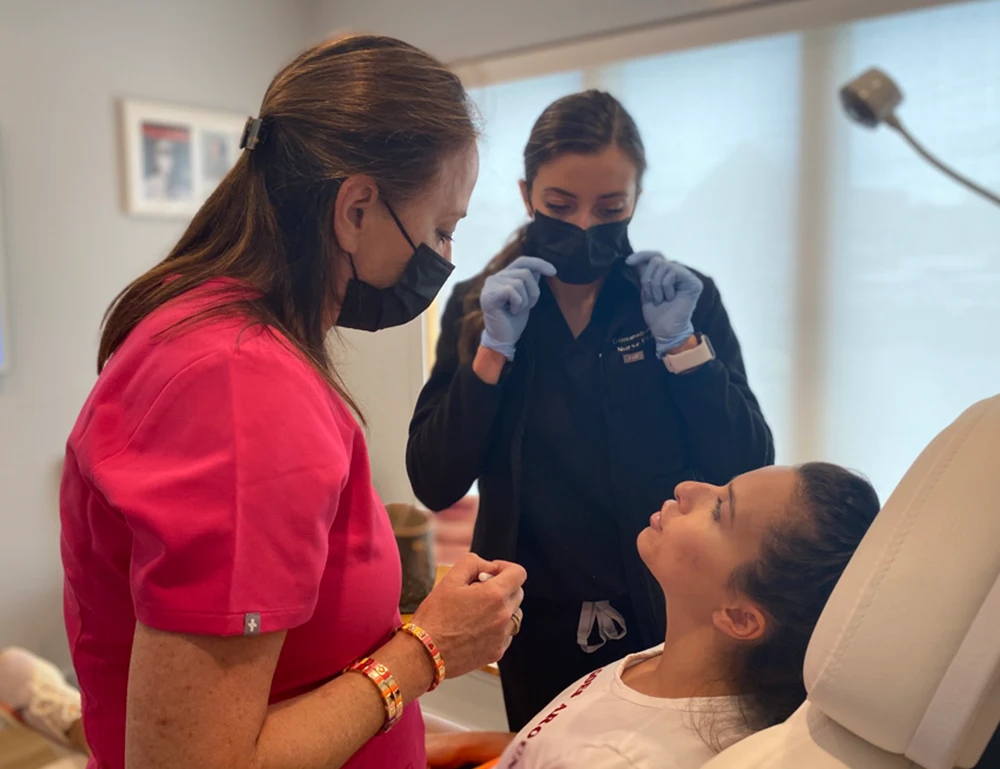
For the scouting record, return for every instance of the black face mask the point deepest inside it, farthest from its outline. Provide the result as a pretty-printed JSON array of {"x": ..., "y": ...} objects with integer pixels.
[
  {"x": 368, "y": 308},
  {"x": 579, "y": 256}
]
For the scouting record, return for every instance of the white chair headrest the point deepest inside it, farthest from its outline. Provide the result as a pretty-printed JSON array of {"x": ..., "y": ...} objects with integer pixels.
[{"x": 907, "y": 652}]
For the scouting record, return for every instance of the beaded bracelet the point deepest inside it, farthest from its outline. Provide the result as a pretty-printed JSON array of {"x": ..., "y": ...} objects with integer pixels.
[
  {"x": 387, "y": 687},
  {"x": 424, "y": 637}
]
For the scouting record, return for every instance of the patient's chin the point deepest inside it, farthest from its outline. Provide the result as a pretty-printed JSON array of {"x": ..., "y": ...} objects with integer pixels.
[{"x": 646, "y": 544}]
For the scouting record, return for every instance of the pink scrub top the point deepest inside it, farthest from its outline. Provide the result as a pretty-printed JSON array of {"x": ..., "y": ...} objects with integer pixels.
[{"x": 215, "y": 485}]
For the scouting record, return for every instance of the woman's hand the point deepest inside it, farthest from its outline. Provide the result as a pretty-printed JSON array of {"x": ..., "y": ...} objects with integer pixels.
[
  {"x": 670, "y": 292},
  {"x": 506, "y": 301},
  {"x": 470, "y": 621},
  {"x": 453, "y": 750}
]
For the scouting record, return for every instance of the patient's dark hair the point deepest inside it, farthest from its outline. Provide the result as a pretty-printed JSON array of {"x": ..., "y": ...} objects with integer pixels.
[{"x": 800, "y": 561}]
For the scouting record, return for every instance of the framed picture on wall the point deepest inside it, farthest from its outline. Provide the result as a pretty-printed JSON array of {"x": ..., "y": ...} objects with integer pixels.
[
  {"x": 4, "y": 313},
  {"x": 175, "y": 156}
]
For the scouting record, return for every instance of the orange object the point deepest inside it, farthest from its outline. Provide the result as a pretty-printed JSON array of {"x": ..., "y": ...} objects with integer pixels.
[{"x": 8, "y": 715}]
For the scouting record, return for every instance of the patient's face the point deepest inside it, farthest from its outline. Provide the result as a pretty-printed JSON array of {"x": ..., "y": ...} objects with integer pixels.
[{"x": 693, "y": 544}]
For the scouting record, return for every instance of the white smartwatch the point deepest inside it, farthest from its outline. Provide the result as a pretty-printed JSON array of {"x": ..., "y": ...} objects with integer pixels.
[{"x": 687, "y": 360}]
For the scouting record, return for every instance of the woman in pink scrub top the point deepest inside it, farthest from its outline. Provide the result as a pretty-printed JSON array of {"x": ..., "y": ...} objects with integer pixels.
[{"x": 232, "y": 580}]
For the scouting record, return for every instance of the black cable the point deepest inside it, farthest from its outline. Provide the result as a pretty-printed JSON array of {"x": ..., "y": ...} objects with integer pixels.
[{"x": 894, "y": 122}]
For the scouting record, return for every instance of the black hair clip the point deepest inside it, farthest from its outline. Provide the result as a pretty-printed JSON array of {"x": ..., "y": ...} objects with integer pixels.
[{"x": 252, "y": 135}]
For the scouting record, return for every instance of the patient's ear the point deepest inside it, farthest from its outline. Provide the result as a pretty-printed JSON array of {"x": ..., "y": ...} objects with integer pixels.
[{"x": 741, "y": 620}]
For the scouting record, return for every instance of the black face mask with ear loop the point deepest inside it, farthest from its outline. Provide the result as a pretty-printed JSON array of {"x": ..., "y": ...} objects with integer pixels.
[
  {"x": 579, "y": 256},
  {"x": 368, "y": 308}
]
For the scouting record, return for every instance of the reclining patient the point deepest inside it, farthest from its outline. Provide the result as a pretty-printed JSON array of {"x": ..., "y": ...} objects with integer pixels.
[{"x": 746, "y": 570}]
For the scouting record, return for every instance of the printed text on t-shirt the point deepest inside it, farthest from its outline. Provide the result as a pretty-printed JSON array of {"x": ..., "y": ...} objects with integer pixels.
[{"x": 519, "y": 750}]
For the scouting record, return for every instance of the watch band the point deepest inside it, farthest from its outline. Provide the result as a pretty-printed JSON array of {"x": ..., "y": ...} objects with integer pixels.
[{"x": 680, "y": 362}]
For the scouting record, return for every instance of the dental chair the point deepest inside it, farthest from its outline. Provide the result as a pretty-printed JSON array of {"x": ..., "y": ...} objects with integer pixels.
[{"x": 903, "y": 669}]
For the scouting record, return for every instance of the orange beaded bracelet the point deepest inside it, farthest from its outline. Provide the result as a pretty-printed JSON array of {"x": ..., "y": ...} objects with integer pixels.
[
  {"x": 424, "y": 637},
  {"x": 387, "y": 687}
]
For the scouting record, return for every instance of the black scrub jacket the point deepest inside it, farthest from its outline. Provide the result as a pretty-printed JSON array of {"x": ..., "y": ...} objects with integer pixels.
[{"x": 660, "y": 429}]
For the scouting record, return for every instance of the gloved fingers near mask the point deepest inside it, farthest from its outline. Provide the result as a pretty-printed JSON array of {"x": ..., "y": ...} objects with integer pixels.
[
  {"x": 537, "y": 267},
  {"x": 670, "y": 292},
  {"x": 506, "y": 301},
  {"x": 524, "y": 282},
  {"x": 656, "y": 286},
  {"x": 522, "y": 277}
]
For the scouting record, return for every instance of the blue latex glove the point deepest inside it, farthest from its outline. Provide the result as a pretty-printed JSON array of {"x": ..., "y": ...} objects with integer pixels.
[
  {"x": 507, "y": 299},
  {"x": 670, "y": 292}
]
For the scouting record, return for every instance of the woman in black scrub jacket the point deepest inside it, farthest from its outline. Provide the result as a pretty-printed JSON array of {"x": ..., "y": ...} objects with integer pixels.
[{"x": 580, "y": 382}]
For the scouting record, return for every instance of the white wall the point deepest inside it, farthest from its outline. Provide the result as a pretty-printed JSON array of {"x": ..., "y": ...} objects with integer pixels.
[
  {"x": 456, "y": 30},
  {"x": 69, "y": 248},
  {"x": 384, "y": 373}
]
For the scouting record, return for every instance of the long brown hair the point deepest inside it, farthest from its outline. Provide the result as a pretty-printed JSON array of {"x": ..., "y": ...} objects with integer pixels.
[
  {"x": 354, "y": 105},
  {"x": 584, "y": 123}
]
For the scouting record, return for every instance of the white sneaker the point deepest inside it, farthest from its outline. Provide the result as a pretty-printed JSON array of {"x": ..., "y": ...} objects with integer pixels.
[{"x": 38, "y": 693}]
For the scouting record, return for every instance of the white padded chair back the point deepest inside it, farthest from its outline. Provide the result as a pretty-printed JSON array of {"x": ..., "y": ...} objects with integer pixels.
[{"x": 904, "y": 665}]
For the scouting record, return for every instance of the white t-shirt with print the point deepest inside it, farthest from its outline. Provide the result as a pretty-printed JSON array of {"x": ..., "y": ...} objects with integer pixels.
[{"x": 600, "y": 723}]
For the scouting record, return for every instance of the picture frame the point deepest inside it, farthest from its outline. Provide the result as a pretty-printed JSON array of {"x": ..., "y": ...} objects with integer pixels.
[
  {"x": 174, "y": 157},
  {"x": 4, "y": 296}
]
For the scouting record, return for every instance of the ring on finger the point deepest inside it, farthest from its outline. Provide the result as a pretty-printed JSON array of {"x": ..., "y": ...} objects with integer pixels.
[{"x": 516, "y": 618}]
